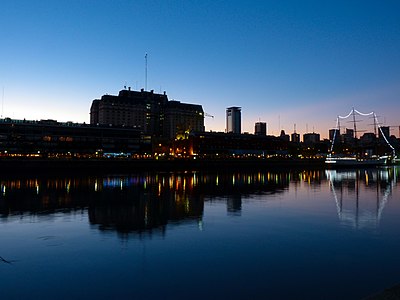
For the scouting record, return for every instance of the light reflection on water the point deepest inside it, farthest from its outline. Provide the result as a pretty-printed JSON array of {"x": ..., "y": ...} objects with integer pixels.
[
  {"x": 351, "y": 191},
  {"x": 208, "y": 235}
]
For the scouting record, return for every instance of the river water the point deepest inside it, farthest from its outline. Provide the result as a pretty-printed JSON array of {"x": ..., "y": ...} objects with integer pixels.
[{"x": 201, "y": 235}]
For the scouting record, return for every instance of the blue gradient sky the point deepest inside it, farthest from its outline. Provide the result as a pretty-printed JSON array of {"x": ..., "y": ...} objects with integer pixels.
[{"x": 283, "y": 62}]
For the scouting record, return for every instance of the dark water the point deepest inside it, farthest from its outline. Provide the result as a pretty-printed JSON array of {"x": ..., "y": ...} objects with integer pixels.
[{"x": 199, "y": 235}]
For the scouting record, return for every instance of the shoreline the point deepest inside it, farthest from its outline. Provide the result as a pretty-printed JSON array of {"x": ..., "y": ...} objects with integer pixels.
[{"x": 40, "y": 165}]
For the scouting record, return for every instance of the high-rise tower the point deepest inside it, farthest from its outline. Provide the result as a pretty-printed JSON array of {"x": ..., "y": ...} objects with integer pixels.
[
  {"x": 233, "y": 120},
  {"x": 260, "y": 128}
]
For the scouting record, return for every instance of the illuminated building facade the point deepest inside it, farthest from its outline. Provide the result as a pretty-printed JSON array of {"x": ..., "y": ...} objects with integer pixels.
[
  {"x": 218, "y": 144},
  {"x": 182, "y": 118},
  {"x": 147, "y": 111},
  {"x": 52, "y": 138}
]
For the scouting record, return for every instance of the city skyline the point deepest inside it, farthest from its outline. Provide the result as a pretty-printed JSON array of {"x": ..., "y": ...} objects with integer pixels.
[{"x": 284, "y": 63}]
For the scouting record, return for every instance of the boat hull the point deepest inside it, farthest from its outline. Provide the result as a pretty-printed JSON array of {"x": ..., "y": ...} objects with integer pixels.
[{"x": 355, "y": 162}]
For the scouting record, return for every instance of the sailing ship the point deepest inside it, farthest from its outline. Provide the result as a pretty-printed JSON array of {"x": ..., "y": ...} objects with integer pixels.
[
  {"x": 355, "y": 159},
  {"x": 347, "y": 161}
]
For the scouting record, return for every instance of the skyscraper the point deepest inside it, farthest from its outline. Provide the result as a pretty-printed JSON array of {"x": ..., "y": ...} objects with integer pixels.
[
  {"x": 260, "y": 128},
  {"x": 233, "y": 120}
]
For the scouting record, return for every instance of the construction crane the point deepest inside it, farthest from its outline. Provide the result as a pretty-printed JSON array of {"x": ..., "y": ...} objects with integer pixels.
[{"x": 208, "y": 115}]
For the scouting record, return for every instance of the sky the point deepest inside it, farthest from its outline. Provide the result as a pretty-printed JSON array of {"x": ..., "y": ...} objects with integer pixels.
[{"x": 283, "y": 62}]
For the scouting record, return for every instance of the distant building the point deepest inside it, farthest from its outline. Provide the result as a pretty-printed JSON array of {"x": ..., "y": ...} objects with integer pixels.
[
  {"x": 334, "y": 134},
  {"x": 260, "y": 128},
  {"x": 311, "y": 138},
  {"x": 350, "y": 132},
  {"x": 367, "y": 138},
  {"x": 285, "y": 137},
  {"x": 348, "y": 137},
  {"x": 182, "y": 118},
  {"x": 295, "y": 137},
  {"x": 233, "y": 120},
  {"x": 217, "y": 144},
  {"x": 151, "y": 113},
  {"x": 52, "y": 138}
]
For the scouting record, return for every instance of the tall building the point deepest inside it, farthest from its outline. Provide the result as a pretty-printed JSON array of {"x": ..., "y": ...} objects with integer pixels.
[
  {"x": 348, "y": 137},
  {"x": 260, "y": 128},
  {"x": 147, "y": 111},
  {"x": 233, "y": 120},
  {"x": 334, "y": 134},
  {"x": 182, "y": 118},
  {"x": 311, "y": 138},
  {"x": 285, "y": 137},
  {"x": 295, "y": 137}
]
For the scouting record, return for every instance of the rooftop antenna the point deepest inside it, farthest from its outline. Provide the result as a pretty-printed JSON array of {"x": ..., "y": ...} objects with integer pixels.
[
  {"x": 2, "y": 104},
  {"x": 145, "y": 72},
  {"x": 375, "y": 126},
  {"x": 294, "y": 127},
  {"x": 279, "y": 122},
  {"x": 355, "y": 124}
]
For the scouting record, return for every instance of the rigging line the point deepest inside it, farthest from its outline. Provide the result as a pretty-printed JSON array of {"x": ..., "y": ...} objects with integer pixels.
[
  {"x": 384, "y": 137},
  {"x": 363, "y": 114},
  {"x": 334, "y": 134},
  {"x": 346, "y": 116},
  {"x": 358, "y": 112}
]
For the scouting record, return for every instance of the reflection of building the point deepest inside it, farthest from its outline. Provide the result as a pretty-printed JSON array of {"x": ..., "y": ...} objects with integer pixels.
[
  {"x": 114, "y": 203},
  {"x": 233, "y": 120},
  {"x": 152, "y": 113},
  {"x": 145, "y": 213},
  {"x": 234, "y": 204},
  {"x": 137, "y": 203}
]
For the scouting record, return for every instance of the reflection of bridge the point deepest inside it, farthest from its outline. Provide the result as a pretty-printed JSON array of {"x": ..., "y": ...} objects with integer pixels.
[{"x": 365, "y": 213}]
